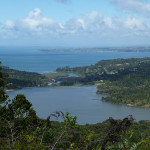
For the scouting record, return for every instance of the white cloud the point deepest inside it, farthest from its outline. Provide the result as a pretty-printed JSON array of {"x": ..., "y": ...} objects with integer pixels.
[
  {"x": 9, "y": 24},
  {"x": 93, "y": 27},
  {"x": 34, "y": 23},
  {"x": 135, "y": 6},
  {"x": 34, "y": 13},
  {"x": 133, "y": 24},
  {"x": 90, "y": 23}
]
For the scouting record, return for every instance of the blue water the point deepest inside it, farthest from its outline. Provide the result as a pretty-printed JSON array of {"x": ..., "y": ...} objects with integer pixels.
[
  {"x": 79, "y": 101},
  {"x": 33, "y": 60},
  {"x": 82, "y": 102}
]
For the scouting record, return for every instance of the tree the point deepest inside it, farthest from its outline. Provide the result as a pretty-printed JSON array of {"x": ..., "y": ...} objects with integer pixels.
[
  {"x": 16, "y": 116},
  {"x": 20, "y": 106},
  {"x": 3, "y": 85}
]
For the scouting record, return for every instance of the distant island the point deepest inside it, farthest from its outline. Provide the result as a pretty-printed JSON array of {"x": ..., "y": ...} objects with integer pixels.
[{"x": 103, "y": 49}]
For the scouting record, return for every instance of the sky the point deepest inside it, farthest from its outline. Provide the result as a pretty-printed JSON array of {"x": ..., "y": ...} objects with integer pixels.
[{"x": 75, "y": 23}]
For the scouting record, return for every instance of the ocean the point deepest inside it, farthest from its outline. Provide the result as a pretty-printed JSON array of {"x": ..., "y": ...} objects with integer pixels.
[{"x": 33, "y": 60}]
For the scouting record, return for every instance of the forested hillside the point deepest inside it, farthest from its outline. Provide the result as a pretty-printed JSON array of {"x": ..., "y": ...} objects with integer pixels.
[
  {"x": 19, "y": 79},
  {"x": 124, "y": 81}
]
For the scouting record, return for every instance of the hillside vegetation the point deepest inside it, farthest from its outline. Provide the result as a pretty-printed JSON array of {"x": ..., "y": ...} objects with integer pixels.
[
  {"x": 19, "y": 79},
  {"x": 20, "y": 128},
  {"x": 124, "y": 81}
]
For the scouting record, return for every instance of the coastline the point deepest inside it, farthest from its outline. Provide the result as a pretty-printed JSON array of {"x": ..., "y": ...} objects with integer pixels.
[
  {"x": 142, "y": 106},
  {"x": 12, "y": 90},
  {"x": 130, "y": 105}
]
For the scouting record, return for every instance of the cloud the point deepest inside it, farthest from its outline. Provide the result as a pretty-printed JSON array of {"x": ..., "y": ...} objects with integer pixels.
[
  {"x": 91, "y": 23},
  {"x": 135, "y": 6},
  {"x": 9, "y": 24},
  {"x": 95, "y": 24},
  {"x": 90, "y": 28},
  {"x": 136, "y": 24},
  {"x": 34, "y": 23}
]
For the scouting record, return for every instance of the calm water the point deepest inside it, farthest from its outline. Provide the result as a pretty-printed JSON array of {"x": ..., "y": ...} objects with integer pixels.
[
  {"x": 79, "y": 101},
  {"x": 33, "y": 60}
]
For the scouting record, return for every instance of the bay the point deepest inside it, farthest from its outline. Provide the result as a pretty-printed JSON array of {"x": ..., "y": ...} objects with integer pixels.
[
  {"x": 34, "y": 60},
  {"x": 79, "y": 101},
  {"x": 82, "y": 102}
]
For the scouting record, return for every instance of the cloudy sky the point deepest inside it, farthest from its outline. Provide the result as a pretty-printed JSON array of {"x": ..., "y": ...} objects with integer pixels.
[{"x": 75, "y": 23}]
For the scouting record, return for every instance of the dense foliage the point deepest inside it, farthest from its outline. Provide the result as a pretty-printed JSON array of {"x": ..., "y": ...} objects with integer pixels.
[
  {"x": 19, "y": 79},
  {"x": 20, "y": 128},
  {"x": 124, "y": 81}
]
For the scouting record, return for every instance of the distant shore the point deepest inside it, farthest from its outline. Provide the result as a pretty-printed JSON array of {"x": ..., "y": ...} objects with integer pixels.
[{"x": 102, "y": 49}]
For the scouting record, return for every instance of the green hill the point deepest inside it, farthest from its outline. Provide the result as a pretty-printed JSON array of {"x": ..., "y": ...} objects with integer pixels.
[{"x": 124, "y": 81}]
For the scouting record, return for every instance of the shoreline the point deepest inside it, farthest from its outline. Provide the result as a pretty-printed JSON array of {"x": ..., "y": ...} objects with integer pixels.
[
  {"x": 11, "y": 90},
  {"x": 129, "y": 105},
  {"x": 143, "y": 106}
]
